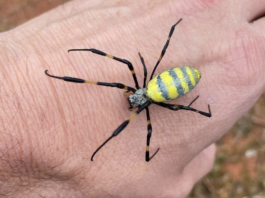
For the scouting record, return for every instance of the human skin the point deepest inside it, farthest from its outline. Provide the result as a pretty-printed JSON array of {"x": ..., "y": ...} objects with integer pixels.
[{"x": 50, "y": 128}]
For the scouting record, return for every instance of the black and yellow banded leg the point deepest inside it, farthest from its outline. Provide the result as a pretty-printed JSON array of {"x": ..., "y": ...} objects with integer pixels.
[
  {"x": 122, "y": 126},
  {"x": 130, "y": 66},
  {"x": 149, "y": 134},
  {"x": 182, "y": 107},
  {"x": 79, "y": 80},
  {"x": 145, "y": 70},
  {"x": 165, "y": 48}
]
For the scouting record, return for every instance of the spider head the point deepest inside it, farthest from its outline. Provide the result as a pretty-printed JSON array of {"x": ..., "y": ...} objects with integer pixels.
[{"x": 138, "y": 98}]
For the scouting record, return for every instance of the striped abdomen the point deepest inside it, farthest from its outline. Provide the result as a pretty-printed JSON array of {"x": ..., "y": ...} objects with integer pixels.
[{"x": 172, "y": 83}]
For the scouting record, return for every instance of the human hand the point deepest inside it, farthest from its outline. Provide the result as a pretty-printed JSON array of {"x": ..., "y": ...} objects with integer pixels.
[{"x": 56, "y": 126}]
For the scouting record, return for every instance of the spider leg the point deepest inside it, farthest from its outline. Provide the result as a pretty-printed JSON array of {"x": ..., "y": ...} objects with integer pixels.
[
  {"x": 145, "y": 70},
  {"x": 176, "y": 107},
  {"x": 165, "y": 48},
  {"x": 130, "y": 66},
  {"x": 193, "y": 101},
  {"x": 149, "y": 134},
  {"x": 122, "y": 126},
  {"x": 79, "y": 80}
]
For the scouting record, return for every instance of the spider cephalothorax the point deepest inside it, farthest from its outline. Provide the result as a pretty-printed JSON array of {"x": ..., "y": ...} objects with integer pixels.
[{"x": 138, "y": 98}]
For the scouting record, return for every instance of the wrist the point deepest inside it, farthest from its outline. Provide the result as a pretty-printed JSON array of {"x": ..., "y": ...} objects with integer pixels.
[{"x": 31, "y": 151}]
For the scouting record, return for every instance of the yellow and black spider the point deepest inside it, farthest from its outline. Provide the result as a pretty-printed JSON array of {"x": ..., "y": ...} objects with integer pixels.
[{"x": 168, "y": 85}]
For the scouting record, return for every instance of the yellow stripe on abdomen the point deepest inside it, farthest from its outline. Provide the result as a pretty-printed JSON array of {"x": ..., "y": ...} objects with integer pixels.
[
  {"x": 192, "y": 79},
  {"x": 167, "y": 79},
  {"x": 154, "y": 92},
  {"x": 184, "y": 85}
]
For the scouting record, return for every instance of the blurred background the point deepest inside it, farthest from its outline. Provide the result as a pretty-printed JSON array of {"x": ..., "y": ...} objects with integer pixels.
[{"x": 239, "y": 169}]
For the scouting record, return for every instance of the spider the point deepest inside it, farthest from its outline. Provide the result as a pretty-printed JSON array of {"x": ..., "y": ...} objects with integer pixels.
[{"x": 168, "y": 85}]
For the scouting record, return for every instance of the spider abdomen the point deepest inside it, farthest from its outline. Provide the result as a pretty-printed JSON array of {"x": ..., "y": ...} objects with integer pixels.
[{"x": 172, "y": 83}]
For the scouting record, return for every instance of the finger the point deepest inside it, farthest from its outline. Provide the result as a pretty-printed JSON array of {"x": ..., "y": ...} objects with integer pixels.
[
  {"x": 259, "y": 25},
  {"x": 251, "y": 10},
  {"x": 203, "y": 163},
  {"x": 197, "y": 168}
]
